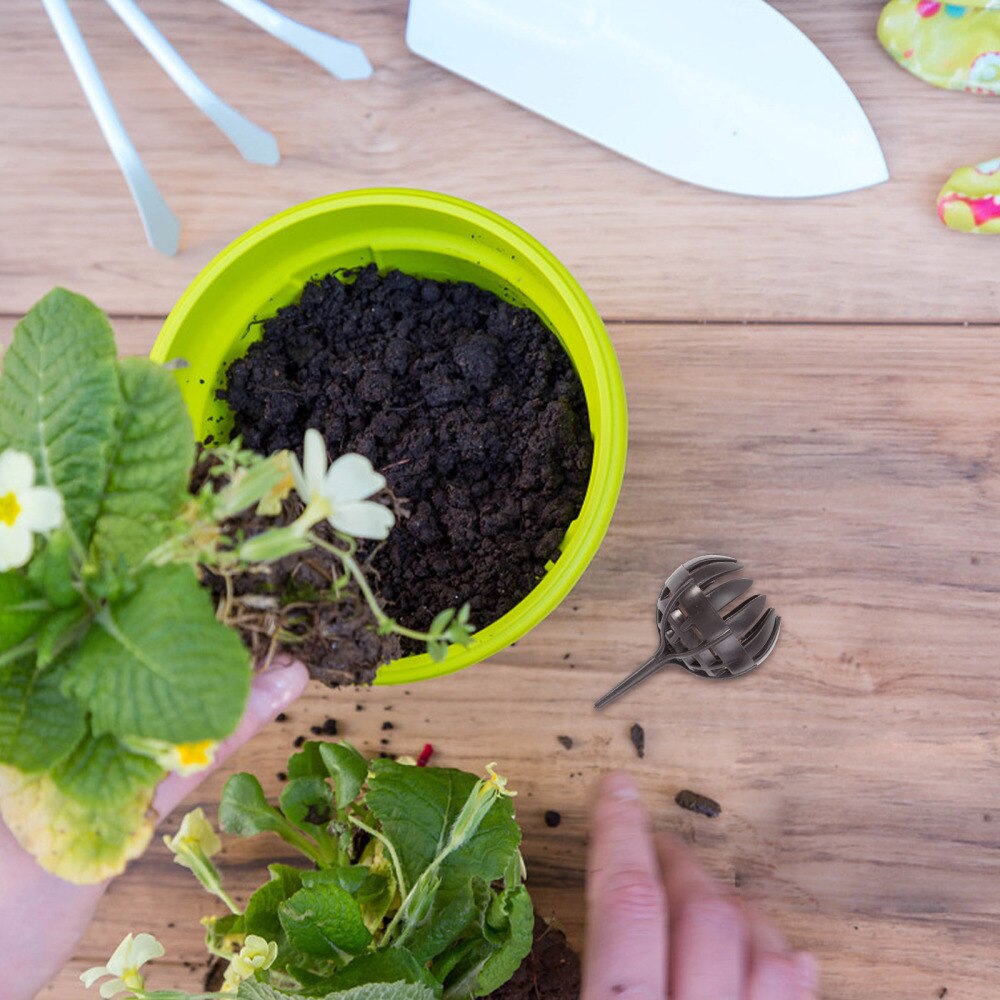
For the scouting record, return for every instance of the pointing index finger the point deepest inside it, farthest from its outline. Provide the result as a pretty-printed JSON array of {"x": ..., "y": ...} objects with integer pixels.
[{"x": 626, "y": 954}]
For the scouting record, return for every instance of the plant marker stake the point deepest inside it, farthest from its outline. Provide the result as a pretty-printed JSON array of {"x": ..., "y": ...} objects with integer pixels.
[
  {"x": 255, "y": 144},
  {"x": 344, "y": 60},
  {"x": 161, "y": 225}
]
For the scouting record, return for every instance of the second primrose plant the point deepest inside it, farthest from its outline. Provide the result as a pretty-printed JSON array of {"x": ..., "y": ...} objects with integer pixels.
[
  {"x": 115, "y": 667},
  {"x": 414, "y": 889}
]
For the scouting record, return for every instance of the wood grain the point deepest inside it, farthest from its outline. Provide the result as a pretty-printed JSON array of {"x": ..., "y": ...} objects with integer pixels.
[
  {"x": 831, "y": 418},
  {"x": 643, "y": 245},
  {"x": 855, "y": 475}
]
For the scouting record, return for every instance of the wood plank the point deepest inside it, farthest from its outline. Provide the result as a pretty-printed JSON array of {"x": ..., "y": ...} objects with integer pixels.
[
  {"x": 856, "y": 474},
  {"x": 644, "y": 246}
]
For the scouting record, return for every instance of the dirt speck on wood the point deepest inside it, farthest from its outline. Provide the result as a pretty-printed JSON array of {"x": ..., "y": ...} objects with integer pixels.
[
  {"x": 695, "y": 802},
  {"x": 638, "y": 737}
]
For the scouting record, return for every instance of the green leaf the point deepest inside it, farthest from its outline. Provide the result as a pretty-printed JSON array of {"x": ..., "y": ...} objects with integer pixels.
[
  {"x": 324, "y": 923},
  {"x": 353, "y": 879},
  {"x": 453, "y": 966},
  {"x": 250, "y": 989},
  {"x": 149, "y": 465},
  {"x": 39, "y": 726},
  {"x": 384, "y": 991},
  {"x": 347, "y": 768},
  {"x": 88, "y": 817},
  {"x": 60, "y": 631},
  {"x": 51, "y": 570},
  {"x": 512, "y": 920},
  {"x": 261, "y": 915},
  {"x": 308, "y": 803},
  {"x": 58, "y": 399},
  {"x": 452, "y": 913},
  {"x": 416, "y": 808},
  {"x": 160, "y": 666},
  {"x": 390, "y": 965},
  {"x": 245, "y": 811},
  {"x": 22, "y": 609},
  {"x": 307, "y": 763}
]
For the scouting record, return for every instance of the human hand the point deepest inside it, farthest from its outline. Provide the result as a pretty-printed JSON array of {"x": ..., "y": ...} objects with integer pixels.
[
  {"x": 658, "y": 925},
  {"x": 42, "y": 918}
]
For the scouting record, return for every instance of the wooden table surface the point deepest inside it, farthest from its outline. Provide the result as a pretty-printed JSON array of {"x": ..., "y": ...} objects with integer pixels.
[{"x": 814, "y": 387}]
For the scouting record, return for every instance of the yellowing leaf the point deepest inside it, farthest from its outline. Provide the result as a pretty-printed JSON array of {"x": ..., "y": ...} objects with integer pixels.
[{"x": 86, "y": 819}]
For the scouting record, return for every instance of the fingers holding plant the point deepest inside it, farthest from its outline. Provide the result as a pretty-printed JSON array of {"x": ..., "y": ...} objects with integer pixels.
[{"x": 116, "y": 666}]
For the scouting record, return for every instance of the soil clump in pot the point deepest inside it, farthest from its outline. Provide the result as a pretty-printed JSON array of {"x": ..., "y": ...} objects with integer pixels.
[{"x": 468, "y": 405}]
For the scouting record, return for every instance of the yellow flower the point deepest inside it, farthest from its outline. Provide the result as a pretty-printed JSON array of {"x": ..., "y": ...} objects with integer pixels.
[
  {"x": 181, "y": 758},
  {"x": 25, "y": 509},
  {"x": 195, "y": 834},
  {"x": 255, "y": 954},
  {"x": 129, "y": 957},
  {"x": 497, "y": 781}
]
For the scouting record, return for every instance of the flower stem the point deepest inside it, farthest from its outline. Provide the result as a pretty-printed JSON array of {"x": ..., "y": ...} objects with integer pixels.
[
  {"x": 387, "y": 844},
  {"x": 352, "y": 567}
]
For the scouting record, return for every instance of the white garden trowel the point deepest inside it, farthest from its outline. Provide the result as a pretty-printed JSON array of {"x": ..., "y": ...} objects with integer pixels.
[{"x": 726, "y": 94}]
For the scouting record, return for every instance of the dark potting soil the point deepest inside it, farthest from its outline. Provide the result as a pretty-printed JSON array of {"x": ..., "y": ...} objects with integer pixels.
[{"x": 468, "y": 405}]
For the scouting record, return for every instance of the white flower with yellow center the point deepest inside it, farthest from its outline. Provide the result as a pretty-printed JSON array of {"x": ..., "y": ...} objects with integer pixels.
[
  {"x": 129, "y": 957},
  {"x": 340, "y": 492},
  {"x": 256, "y": 953},
  {"x": 180, "y": 758},
  {"x": 25, "y": 509}
]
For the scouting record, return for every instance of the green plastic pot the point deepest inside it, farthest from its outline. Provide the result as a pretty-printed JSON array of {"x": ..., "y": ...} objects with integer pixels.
[{"x": 431, "y": 236}]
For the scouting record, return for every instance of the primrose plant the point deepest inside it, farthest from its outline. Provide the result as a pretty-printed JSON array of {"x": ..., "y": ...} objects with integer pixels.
[
  {"x": 115, "y": 667},
  {"x": 413, "y": 891}
]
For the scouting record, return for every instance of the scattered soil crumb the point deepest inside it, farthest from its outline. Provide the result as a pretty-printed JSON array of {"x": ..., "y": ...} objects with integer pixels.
[
  {"x": 552, "y": 818},
  {"x": 943, "y": 992},
  {"x": 281, "y": 717},
  {"x": 359, "y": 708},
  {"x": 299, "y": 740},
  {"x": 638, "y": 736},
  {"x": 566, "y": 741},
  {"x": 282, "y": 776},
  {"x": 695, "y": 802},
  {"x": 388, "y": 725}
]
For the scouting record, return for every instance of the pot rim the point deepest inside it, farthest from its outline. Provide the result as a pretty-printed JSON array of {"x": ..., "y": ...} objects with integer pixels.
[{"x": 600, "y": 375}]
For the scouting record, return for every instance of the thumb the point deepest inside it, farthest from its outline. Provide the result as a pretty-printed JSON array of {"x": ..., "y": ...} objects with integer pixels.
[{"x": 272, "y": 691}]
